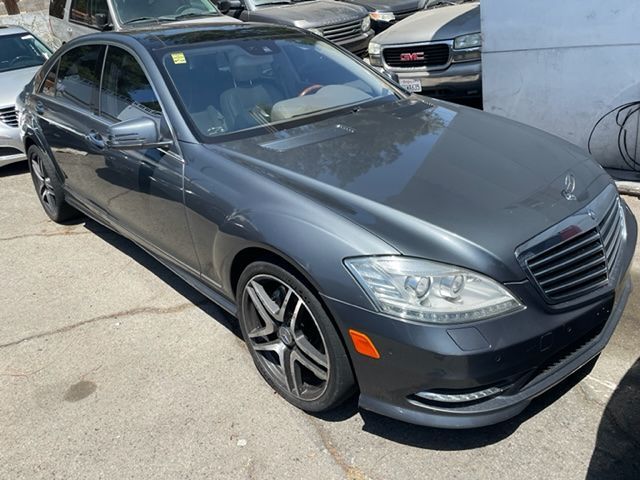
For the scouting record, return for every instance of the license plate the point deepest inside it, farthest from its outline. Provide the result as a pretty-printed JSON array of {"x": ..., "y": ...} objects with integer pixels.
[{"x": 411, "y": 85}]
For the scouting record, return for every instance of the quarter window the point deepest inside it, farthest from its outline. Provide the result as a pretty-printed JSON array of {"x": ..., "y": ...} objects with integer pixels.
[
  {"x": 49, "y": 84},
  {"x": 56, "y": 9},
  {"x": 126, "y": 91},
  {"x": 78, "y": 76},
  {"x": 85, "y": 11}
]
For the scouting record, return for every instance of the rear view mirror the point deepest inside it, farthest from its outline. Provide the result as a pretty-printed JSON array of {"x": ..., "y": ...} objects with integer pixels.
[
  {"x": 136, "y": 134},
  {"x": 224, "y": 6},
  {"x": 102, "y": 21}
]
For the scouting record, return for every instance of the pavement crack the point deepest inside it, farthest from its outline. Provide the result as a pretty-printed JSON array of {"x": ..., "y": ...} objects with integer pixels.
[
  {"x": 351, "y": 471},
  {"x": 63, "y": 233},
  {"x": 123, "y": 314}
]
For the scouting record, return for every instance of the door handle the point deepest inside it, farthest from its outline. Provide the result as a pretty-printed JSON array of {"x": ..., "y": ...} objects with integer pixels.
[
  {"x": 96, "y": 139},
  {"x": 39, "y": 108}
]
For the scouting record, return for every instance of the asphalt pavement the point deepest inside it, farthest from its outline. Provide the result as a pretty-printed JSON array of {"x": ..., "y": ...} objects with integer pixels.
[{"x": 112, "y": 367}]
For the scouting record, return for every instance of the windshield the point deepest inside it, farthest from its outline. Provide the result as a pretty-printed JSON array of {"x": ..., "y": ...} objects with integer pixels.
[
  {"x": 21, "y": 50},
  {"x": 235, "y": 85},
  {"x": 131, "y": 11}
]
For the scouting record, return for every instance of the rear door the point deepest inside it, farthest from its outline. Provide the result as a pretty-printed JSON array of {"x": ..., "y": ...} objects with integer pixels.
[{"x": 82, "y": 17}]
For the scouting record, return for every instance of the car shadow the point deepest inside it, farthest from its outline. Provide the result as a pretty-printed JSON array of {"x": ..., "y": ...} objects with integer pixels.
[
  {"x": 617, "y": 451},
  {"x": 12, "y": 169},
  {"x": 450, "y": 440},
  {"x": 145, "y": 260}
]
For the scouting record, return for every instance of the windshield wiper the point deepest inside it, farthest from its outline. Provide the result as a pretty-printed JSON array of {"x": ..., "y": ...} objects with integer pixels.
[
  {"x": 144, "y": 19},
  {"x": 193, "y": 15}
]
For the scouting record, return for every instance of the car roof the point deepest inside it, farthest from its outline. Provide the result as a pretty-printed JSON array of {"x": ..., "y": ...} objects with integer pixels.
[
  {"x": 161, "y": 36},
  {"x": 11, "y": 30}
]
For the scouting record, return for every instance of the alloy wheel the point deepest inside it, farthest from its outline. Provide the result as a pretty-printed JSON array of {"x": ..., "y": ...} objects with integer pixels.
[
  {"x": 285, "y": 336},
  {"x": 43, "y": 183}
]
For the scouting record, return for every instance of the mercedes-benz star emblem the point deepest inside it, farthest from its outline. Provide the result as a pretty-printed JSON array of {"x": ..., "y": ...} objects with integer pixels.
[{"x": 569, "y": 187}]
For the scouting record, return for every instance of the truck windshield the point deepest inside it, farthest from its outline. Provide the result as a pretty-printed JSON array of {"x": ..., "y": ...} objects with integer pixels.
[
  {"x": 22, "y": 50},
  {"x": 131, "y": 11},
  {"x": 256, "y": 83}
]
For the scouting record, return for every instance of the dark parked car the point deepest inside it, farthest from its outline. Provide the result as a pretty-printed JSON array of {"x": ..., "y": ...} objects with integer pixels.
[
  {"x": 448, "y": 264},
  {"x": 346, "y": 25},
  {"x": 385, "y": 13}
]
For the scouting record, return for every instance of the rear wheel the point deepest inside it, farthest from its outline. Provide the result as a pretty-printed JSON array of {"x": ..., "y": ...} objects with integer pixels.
[
  {"x": 292, "y": 341},
  {"x": 48, "y": 186}
]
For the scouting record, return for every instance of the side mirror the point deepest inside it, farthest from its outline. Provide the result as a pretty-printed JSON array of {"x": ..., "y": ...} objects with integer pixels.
[
  {"x": 234, "y": 4},
  {"x": 224, "y": 6},
  {"x": 136, "y": 134},
  {"x": 102, "y": 21}
]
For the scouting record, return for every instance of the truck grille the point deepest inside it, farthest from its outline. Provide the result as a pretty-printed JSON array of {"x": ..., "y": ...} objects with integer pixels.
[
  {"x": 582, "y": 263},
  {"x": 9, "y": 116},
  {"x": 415, "y": 56},
  {"x": 343, "y": 32}
]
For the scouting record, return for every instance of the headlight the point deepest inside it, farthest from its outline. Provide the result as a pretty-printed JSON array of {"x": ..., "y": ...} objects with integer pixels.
[
  {"x": 374, "y": 49},
  {"x": 430, "y": 292},
  {"x": 468, "y": 41},
  {"x": 366, "y": 24},
  {"x": 317, "y": 31},
  {"x": 382, "y": 16}
]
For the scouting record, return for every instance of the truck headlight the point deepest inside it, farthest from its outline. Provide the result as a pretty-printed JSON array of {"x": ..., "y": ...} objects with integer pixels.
[
  {"x": 382, "y": 16},
  {"x": 430, "y": 292},
  {"x": 375, "y": 49},
  {"x": 473, "y": 40},
  {"x": 366, "y": 24}
]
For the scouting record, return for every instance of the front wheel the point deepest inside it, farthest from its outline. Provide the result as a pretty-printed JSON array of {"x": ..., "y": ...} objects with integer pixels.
[
  {"x": 48, "y": 186},
  {"x": 292, "y": 341}
]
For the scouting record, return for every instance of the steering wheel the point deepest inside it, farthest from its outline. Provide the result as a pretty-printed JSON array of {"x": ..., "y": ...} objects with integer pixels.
[
  {"x": 182, "y": 9},
  {"x": 20, "y": 58},
  {"x": 313, "y": 88}
]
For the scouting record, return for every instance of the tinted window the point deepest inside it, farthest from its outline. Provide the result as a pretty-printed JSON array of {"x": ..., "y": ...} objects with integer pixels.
[
  {"x": 49, "y": 84},
  {"x": 78, "y": 76},
  {"x": 126, "y": 91},
  {"x": 85, "y": 11},
  {"x": 137, "y": 10},
  {"x": 56, "y": 9},
  {"x": 21, "y": 51},
  {"x": 239, "y": 84}
]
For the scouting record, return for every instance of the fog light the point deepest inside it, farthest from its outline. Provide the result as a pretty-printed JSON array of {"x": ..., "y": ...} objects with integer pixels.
[{"x": 461, "y": 397}]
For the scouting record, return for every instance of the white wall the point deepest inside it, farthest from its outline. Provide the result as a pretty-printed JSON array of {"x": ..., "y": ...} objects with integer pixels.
[{"x": 560, "y": 65}]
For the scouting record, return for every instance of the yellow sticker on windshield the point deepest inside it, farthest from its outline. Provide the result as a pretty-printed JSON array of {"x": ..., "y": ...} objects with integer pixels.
[{"x": 178, "y": 58}]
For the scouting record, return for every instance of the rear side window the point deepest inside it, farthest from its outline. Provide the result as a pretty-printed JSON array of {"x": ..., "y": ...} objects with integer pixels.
[
  {"x": 85, "y": 11},
  {"x": 78, "y": 76},
  {"x": 126, "y": 92},
  {"x": 56, "y": 8}
]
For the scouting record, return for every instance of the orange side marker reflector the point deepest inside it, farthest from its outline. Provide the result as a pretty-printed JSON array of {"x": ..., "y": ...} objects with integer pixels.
[{"x": 363, "y": 344}]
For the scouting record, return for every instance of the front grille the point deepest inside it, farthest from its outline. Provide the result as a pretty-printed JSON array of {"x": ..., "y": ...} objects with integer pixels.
[
  {"x": 416, "y": 56},
  {"x": 343, "y": 32},
  {"x": 9, "y": 116},
  {"x": 583, "y": 263}
]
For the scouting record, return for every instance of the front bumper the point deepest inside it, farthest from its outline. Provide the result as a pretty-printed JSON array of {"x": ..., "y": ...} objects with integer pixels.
[
  {"x": 11, "y": 147},
  {"x": 459, "y": 80},
  {"x": 522, "y": 355}
]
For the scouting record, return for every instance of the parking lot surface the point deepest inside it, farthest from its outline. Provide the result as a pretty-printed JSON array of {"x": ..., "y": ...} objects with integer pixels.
[{"x": 112, "y": 367}]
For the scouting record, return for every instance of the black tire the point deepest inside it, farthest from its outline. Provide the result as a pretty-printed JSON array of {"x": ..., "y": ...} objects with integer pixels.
[
  {"x": 48, "y": 186},
  {"x": 311, "y": 397}
]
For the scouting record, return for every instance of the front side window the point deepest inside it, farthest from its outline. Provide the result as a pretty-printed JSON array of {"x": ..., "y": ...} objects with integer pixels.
[
  {"x": 21, "y": 50},
  {"x": 126, "y": 92},
  {"x": 86, "y": 11},
  {"x": 240, "y": 84},
  {"x": 78, "y": 76},
  {"x": 133, "y": 11}
]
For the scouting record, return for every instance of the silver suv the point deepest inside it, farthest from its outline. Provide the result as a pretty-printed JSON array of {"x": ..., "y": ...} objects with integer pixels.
[{"x": 71, "y": 18}]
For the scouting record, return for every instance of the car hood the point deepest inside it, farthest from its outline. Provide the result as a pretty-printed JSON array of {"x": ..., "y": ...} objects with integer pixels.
[
  {"x": 443, "y": 182},
  {"x": 444, "y": 23},
  {"x": 317, "y": 13},
  {"x": 389, "y": 5},
  {"x": 12, "y": 83}
]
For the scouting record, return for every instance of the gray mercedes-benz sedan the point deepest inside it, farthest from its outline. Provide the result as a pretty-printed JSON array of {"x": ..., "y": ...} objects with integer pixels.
[
  {"x": 21, "y": 56},
  {"x": 447, "y": 264}
]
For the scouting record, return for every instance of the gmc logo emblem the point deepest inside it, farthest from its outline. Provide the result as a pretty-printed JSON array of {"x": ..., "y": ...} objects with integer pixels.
[{"x": 411, "y": 57}]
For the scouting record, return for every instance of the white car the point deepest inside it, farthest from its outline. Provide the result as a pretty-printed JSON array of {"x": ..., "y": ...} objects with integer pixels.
[{"x": 21, "y": 55}]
